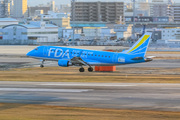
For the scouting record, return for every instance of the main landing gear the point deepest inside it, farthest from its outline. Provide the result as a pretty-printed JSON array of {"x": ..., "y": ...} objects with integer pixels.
[
  {"x": 81, "y": 69},
  {"x": 42, "y": 65},
  {"x": 90, "y": 69}
]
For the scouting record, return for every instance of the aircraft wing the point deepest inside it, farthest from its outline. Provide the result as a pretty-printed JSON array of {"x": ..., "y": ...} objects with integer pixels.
[
  {"x": 86, "y": 62},
  {"x": 79, "y": 60}
]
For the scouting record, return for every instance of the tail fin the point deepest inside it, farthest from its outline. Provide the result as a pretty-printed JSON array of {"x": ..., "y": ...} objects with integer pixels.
[{"x": 140, "y": 47}]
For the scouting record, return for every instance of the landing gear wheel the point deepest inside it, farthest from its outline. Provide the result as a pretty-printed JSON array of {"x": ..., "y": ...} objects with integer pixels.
[
  {"x": 90, "y": 69},
  {"x": 41, "y": 66},
  {"x": 81, "y": 70}
]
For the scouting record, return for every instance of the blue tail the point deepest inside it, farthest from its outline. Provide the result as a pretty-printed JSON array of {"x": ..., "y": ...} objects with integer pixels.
[{"x": 141, "y": 46}]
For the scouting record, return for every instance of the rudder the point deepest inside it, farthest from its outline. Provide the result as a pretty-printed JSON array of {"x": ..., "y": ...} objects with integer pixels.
[{"x": 140, "y": 47}]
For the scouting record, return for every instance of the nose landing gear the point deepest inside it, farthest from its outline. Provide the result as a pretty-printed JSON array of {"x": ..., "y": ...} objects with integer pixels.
[{"x": 42, "y": 65}]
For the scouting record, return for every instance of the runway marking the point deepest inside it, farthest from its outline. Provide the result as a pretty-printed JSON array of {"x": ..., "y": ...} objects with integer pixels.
[
  {"x": 44, "y": 90},
  {"x": 94, "y": 85}
]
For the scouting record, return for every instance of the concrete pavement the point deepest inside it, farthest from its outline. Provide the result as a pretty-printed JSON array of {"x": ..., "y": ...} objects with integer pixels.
[{"x": 163, "y": 97}]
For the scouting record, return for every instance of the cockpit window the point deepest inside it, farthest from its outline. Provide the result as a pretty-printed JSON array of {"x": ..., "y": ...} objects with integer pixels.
[{"x": 36, "y": 48}]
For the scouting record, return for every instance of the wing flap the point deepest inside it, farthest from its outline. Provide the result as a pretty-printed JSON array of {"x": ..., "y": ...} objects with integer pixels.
[{"x": 78, "y": 60}]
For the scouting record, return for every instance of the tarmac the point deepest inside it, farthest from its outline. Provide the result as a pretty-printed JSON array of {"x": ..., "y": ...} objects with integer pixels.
[
  {"x": 159, "y": 97},
  {"x": 17, "y": 62}
]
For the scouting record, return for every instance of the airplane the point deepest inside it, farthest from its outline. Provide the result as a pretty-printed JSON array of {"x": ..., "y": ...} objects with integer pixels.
[{"x": 66, "y": 57}]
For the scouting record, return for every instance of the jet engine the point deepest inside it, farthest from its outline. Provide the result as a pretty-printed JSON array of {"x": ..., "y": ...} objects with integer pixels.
[{"x": 64, "y": 63}]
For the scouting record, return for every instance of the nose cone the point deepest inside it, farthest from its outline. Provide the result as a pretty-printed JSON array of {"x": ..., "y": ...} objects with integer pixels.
[{"x": 29, "y": 54}]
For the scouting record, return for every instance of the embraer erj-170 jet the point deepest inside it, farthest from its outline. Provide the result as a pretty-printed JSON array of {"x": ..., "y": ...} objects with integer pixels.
[{"x": 81, "y": 57}]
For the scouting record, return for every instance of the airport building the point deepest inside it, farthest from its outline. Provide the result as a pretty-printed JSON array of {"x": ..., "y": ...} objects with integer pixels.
[
  {"x": 7, "y": 21},
  {"x": 68, "y": 33},
  {"x": 36, "y": 30},
  {"x": 123, "y": 31},
  {"x": 98, "y": 11},
  {"x": 170, "y": 34}
]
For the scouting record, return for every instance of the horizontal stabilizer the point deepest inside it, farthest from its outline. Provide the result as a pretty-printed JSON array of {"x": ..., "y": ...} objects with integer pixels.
[{"x": 149, "y": 58}]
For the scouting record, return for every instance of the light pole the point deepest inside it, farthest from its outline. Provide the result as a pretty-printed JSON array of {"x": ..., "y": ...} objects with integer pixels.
[
  {"x": 133, "y": 19},
  {"x": 154, "y": 32},
  {"x": 73, "y": 17}
]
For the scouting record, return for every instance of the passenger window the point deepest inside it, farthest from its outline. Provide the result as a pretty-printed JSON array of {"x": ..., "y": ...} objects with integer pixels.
[
  {"x": 102, "y": 55},
  {"x": 109, "y": 57},
  {"x": 36, "y": 48},
  {"x": 99, "y": 55},
  {"x": 105, "y": 56}
]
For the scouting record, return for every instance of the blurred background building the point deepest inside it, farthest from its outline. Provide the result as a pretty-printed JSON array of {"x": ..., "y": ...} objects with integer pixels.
[
  {"x": 20, "y": 9},
  {"x": 32, "y": 10},
  {"x": 98, "y": 11}
]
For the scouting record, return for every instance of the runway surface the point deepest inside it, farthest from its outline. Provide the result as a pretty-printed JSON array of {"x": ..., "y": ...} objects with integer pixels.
[
  {"x": 163, "y": 97},
  {"x": 8, "y": 62}
]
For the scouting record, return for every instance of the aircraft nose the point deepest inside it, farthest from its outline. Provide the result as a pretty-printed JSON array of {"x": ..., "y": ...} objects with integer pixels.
[{"x": 29, "y": 53}]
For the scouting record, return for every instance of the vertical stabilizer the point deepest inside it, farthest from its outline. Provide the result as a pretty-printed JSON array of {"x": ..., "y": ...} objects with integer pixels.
[{"x": 141, "y": 46}]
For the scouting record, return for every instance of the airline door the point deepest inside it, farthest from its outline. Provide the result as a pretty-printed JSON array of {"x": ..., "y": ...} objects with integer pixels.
[
  {"x": 45, "y": 51},
  {"x": 115, "y": 57}
]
